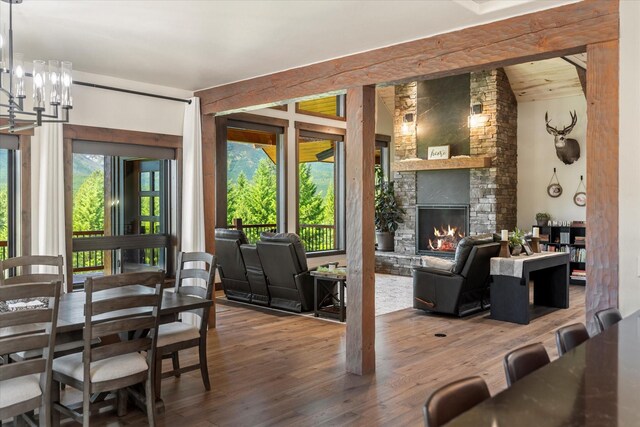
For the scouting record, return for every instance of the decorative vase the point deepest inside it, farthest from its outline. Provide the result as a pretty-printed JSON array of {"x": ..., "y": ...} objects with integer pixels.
[
  {"x": 515, "y": 251},
  {"x": 385, "y": 241},
  {"x": 542, "y": 222}
]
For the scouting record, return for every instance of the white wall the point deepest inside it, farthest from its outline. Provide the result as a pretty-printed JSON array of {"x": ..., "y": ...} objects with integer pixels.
[
  {"x": 103, "y": 108},
  {"x": 629, "y": 193},
  {"x": 537, "y": 158}
]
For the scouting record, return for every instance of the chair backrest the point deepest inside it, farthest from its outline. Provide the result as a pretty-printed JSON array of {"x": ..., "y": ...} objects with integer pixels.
[
  {"x": 453, "y": 399},
  {"x": 196, "y": 280},
  {"x": 607, "y": 318},
  {"x": 463, "y": 250},
  {"x": 24, "y": 272},
  {"x": 571, "y": 336},
  {"x": 521, "y": 362},
  {"x": 119, "y": 304},
  {"x": 478, "y": 264},
  {"x": 17, "y": 333},
  {"x": 230, "y": 261}
]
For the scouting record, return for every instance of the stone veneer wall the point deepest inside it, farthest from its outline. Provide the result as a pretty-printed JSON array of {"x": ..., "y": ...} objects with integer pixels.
[
  {"x": 405, "y": 182},
  {"x": 494, "y": 190}
]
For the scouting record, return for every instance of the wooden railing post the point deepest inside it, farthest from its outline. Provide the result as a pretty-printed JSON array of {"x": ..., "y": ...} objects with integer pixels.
[{"x": 237, "y": 223}]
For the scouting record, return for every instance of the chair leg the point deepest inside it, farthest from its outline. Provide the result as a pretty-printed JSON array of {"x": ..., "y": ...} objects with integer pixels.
[
  {"x": 204, "y": 369},
  {"x": 18, "y": 421},
  {"x": 175, "y": 360},
  {"x": 54, "y": 398},
  {"x": 151, "y": 401},
  {"x": 86, "y": 405},
  {"x": 158, "y": 375},
  {"x": 121, "y": 402}
]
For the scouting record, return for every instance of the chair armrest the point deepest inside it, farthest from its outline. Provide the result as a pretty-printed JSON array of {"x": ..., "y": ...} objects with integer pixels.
[{"x": 430, "y": 270}]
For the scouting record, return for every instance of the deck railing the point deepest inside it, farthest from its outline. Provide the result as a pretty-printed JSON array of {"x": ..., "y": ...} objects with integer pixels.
[
  {"x": 4, "y": 250},
  {"x": 316, "y": 237},
  {"x": 88, "y": 261}
]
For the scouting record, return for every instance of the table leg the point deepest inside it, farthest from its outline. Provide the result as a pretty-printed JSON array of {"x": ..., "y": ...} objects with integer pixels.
[
  {"x": 315, "y": 296},
  {"x": 509, "y": 300}
]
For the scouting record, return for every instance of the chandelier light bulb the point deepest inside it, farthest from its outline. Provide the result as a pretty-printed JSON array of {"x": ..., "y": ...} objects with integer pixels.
[
  {"x": 18, "y": 73},
  {"x": 66, "y": 70},
  {"x": 54, "y": 82},
  {"x": 38, "y": 85}
]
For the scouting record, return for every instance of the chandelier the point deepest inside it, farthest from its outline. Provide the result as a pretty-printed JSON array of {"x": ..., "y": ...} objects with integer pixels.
[{"x": 54, "y": 79}]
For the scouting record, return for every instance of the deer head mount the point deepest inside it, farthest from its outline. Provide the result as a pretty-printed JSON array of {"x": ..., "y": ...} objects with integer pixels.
[{"x": 567, "y": 149}]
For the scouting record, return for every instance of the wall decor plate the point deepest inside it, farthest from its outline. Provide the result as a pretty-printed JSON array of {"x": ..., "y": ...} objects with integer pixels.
[
  {"x": 580, "y": 198},
  {"x": 554, "y": 190}
]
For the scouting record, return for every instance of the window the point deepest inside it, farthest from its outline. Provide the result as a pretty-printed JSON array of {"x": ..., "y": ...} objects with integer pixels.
[
  {"x": 120, "y": 215},
  {"x": 320, "y": 190},
  {"x": 255, "y": 178},
  {"x": 8, "y": 152},
  {"x": 332, "y": 107}
]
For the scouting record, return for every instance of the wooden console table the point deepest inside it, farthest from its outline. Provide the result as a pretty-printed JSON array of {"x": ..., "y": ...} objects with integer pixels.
[
  {"x": 511, "y": 279},
  {"x": 331, "y": 305}
]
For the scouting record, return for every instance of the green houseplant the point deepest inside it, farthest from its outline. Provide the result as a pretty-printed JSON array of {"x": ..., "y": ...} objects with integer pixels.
[
  {"x": 515, "y": 241},
  {"x": 542, "y": 218},
  {"x": 387, "y": 212}
]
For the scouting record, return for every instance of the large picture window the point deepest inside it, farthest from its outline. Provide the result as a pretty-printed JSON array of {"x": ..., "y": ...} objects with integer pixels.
[
  {"x": 120, "y": 199},
  {"x": 320, "y": 190},
  {"x": 255, "y": 178}
]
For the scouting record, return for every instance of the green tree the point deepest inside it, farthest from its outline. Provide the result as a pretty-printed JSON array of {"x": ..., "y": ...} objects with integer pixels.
[
  {"x": 328, "y": 211},
  {"x": 310, "y": 202},
  {"x": 261, "y": 196},
  {"x": 88, "y": 203},
  {"x": 237, "y": 204},
  {"x": 4, "y": 213}
]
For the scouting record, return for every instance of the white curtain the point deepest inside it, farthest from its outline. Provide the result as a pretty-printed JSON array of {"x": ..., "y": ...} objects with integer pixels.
[
  {"x": 192, "y": 233},
  {"x": 47, "y": 191}
]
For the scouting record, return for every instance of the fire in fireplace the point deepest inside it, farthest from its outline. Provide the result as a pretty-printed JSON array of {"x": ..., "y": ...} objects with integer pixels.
[{"x": 439, "y": 228}]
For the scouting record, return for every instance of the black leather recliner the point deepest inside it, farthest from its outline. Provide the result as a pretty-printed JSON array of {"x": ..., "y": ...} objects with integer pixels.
[
  {"x": 285, "y": 264},
  {"x": 459, "y": 291},
  {"x": 255, "y": 275},
  {"x": 231, "y": 266}
]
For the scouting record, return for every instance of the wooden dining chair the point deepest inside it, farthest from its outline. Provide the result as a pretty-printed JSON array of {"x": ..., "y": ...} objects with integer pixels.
[
  {"x": 524, "y": 360},
  {"x": 176, "y": 336},
  {"x": 26, "y": 385},
  {"x": 453, "y": 399},
  {"x": 607, "y": 318},
  {"x": 23, "y": 267},
  {"x": 115, "y": 305},
  {"x": 571, "y": 336}
]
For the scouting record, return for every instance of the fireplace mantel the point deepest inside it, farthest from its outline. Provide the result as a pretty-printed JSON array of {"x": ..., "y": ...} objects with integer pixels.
[{"x": 453, "y": 163}]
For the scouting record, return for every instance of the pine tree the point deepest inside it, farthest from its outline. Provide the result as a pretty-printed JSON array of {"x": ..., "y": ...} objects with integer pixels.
[
  {"x": 310, "y": 202},
  {"x": 328, "y": 211},
  {"x": 4, "y": 213},
  {"x": 262, "y": 194},
  {"x": 88, "y": 204}
]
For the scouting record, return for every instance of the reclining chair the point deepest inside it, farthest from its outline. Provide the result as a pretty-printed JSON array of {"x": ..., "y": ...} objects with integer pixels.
[
  {"x": 285, "y": 264},
  {"x": 461, "y": 289}
]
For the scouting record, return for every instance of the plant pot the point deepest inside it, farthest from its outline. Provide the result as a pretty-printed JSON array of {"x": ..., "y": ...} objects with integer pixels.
[
  {"x": 385, "y": 241},
  {"x": 515, "y": 251},
  {"x": 542, "y": 222}
]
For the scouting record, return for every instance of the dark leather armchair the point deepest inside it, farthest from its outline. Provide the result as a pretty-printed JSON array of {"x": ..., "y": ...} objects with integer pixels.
[
  {"x": 231, "y": 265},
  {"x": 460, "y": 291},
  {"x": 255, "y": 275},
  {"x": 285, "y": 264}
]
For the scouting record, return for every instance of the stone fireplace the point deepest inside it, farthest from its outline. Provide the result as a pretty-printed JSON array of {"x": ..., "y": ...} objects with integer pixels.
[
  {"x": 439, "y": 228},
  {"x": 440, "y": 109}
]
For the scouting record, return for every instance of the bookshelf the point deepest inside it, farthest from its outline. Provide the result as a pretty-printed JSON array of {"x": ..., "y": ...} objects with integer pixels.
[{"x": 570, "y": 239}]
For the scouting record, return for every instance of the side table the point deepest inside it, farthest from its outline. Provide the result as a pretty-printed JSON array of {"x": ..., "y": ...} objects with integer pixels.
[{"x": 333, "y": 303}]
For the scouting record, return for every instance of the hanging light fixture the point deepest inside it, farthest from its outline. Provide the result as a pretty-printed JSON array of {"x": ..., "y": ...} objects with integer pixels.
[{"x": 53, "y": 78}]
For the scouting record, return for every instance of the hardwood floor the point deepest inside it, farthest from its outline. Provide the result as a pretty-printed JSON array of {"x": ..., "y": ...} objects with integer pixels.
[{"x": 272, "y": 368}]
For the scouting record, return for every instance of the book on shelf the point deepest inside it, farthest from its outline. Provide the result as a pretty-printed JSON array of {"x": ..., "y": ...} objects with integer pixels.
[
  {"x": 564, "y": 238},
  {"x": 578, "y": 255},
  {"x": 580, "y": 278}
]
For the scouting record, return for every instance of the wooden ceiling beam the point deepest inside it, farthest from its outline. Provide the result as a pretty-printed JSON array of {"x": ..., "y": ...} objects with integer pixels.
[{"x": 555, "y": 32}]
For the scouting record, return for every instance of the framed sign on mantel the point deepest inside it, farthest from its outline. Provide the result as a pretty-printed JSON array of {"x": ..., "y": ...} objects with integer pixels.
[{"x": 439, "y": 152}]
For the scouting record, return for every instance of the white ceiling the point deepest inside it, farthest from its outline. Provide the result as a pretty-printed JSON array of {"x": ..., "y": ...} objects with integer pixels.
[{"x": 198, "y": 44}]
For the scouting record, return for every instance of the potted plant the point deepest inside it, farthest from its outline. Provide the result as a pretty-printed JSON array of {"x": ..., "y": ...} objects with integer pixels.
[
  {"x": 515, "y": 241},
  {"x": 387, "y": 213},
  {"x": 542, "y": 218}
]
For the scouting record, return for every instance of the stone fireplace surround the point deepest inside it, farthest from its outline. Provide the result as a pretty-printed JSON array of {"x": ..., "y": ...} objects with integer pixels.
[{"x": 492, "y": 192}]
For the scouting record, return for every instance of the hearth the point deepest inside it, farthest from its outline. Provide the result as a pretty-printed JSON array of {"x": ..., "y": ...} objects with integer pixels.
[{"x": 439, "y": 228}]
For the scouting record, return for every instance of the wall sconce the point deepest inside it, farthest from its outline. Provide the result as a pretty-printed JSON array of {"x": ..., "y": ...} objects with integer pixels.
[
  {"x": 476, "y": 118},
  {"x": 407, "y": 121}
]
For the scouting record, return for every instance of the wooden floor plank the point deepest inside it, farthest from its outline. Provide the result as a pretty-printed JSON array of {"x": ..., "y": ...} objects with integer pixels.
[{"x": 269, "y": 368}]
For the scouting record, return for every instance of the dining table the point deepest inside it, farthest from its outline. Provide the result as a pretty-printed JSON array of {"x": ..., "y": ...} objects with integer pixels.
[
  {"x": 71, "y": 318},
  {"x": 595, "y": 384}
]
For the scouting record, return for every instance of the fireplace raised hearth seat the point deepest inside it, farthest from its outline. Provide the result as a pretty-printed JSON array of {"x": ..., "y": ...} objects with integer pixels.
[{"x": 462, "y": 289}]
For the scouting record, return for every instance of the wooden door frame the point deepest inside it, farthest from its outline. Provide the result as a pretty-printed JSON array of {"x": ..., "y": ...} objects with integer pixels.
[{"x": 588, "y": 25}]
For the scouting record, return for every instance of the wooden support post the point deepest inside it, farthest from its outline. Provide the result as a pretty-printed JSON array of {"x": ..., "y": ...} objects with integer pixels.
[
  {"x": 360, "y": 150},
  {"x": 209, "y": 190},
  {"x": 602, "y": 184}
]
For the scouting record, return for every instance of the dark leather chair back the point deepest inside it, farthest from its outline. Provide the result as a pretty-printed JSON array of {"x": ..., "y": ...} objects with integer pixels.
[
  {"x": 521, "y": 362},
  {"x": 569, "y": 337},
  {"x": 476, "y": 271},
  {"x": 255, "y": 275},
  {"x": 231, "y": 266},
  {"x": 453, "y": 399},
  {"x": 607, "y": 318},
  {"x": 285, "y": 265}
]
